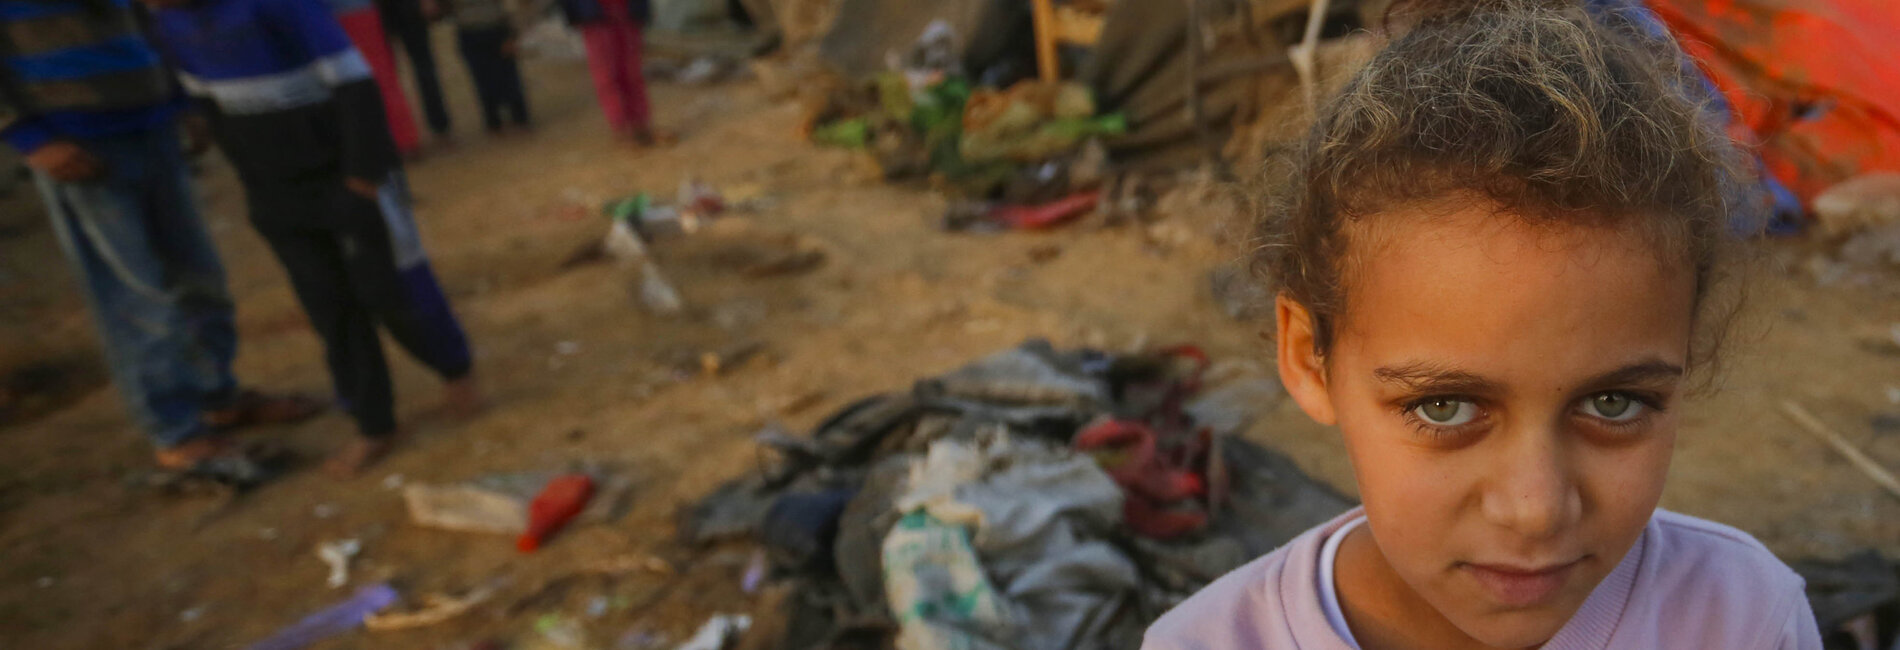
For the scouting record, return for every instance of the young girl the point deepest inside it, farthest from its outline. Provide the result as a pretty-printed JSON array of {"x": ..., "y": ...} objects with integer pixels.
[{"x": 1496, "y": 262}]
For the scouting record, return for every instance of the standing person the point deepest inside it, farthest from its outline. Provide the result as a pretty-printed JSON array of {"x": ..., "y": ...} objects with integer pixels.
[
  {"x": 408, "y": 22},
  {"x": 364, "y": 24},
  {"x": 485, "y": 32},
  {"x": 1500, "y": 264},
  {"x": 297, "y": 113},
  {"x": 85, "y": 99},
  {"x": 612, "y": 31}
]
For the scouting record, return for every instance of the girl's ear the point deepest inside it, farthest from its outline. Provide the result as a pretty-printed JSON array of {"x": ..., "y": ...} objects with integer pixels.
[{"x": 1302, "y": 369}]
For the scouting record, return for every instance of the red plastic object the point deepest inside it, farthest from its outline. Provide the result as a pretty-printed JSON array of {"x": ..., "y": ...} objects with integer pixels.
[
  {"x": 562, "y": 499},
  {"x": 1047, "y": 215},
  {"x": 1159, "y": 501}
]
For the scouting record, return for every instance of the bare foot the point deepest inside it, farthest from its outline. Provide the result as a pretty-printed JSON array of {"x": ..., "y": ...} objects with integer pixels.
[
  {"x": 648, "y": 138},
  {"x": 462, "y": 397},
  {"x": 360, "y": 453}
]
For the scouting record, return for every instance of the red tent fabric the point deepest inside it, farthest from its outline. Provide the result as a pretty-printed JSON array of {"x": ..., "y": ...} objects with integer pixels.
[{"x": 1814, "y": 83}]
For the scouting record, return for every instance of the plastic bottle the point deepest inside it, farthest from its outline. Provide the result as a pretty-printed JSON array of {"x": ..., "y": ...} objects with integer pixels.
[{"x": 557, "y": 503}]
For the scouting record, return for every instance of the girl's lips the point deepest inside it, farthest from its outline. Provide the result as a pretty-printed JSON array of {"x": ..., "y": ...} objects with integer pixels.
[{"x": 1518, "y": 586}]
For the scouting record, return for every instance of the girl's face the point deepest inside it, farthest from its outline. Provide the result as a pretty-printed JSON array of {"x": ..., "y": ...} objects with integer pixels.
[{"x": 1508, "y": 395}]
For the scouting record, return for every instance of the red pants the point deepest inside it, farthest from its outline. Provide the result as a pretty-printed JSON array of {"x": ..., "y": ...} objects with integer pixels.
[
  {"x": 365, "y": 28},
  {"x": 613, "y": 55}
]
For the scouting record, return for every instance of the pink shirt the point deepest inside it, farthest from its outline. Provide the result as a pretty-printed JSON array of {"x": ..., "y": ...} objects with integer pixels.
[{"x": 1688, "y": 583}]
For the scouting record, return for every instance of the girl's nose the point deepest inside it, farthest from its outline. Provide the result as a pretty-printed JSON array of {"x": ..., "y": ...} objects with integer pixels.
[{"x": 1532, "y": 490}]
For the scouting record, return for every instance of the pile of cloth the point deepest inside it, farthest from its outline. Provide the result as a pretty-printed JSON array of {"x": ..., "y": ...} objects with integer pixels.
[{"x": 1035, "y": 499}]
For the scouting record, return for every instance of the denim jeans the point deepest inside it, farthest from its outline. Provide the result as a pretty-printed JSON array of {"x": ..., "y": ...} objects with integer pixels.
[{"x": 152, "y": 279}]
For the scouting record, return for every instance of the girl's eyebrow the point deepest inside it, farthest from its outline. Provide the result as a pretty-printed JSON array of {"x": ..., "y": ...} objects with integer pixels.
[
  {"x": 1421, "y": 376},
  {"x": 1643, "y": 372}
]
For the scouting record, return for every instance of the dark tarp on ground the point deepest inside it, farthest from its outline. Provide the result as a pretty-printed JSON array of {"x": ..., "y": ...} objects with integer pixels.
[{"x": 1140, "y": 68}]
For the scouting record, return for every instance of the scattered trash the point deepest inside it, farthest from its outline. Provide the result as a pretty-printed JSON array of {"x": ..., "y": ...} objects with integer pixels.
[
  {"x": 703, "y": 70},
  {"x": 1893, "y": 394},
  {"x": 331, "y": 621},
  {"x": 655, "y": 292},
  {"x": 191, "y": 615},
  {"x": 267, "y": 534},
  {"x": 324, "y": 510},
  {"x": 45, "y": 582},
  {"x": 435, "y": 608},
  {"x": 498, "y": 503},
  {"x": 947, "y": 512},
  {"x": 640, "y": 637},
  {"x": 981, "y": 216},
  {"x": 567, "y": 348},
  {"x": 336, "y": 555},
  {"x": 718, "y": 632},
  {"x": 392, "y": 482},
  {"x": 561, "y": 631},
  {"x": 465, "y": 508},
  {"x": 755, "y": 571},
  {"x": 596, "y": 607},
  {"x": 562, "y": 499}
]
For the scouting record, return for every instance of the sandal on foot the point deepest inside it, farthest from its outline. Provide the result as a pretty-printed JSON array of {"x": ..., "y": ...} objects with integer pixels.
[{"x": 238, "y": 470}]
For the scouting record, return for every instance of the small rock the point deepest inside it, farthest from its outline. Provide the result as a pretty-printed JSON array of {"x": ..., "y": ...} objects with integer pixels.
[
  {"x": 1045, "y": 253},
  {"x": 567, "y": 348},
  {"x": 392, "y": 482},
  {"x": 191, "y": 615},
  {"x": 45, "y": 582},
  {"x": 324, "y": 510}
]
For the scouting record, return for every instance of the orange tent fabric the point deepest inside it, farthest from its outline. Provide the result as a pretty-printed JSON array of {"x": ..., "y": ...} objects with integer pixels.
[{"x": 1814, "y": 83}]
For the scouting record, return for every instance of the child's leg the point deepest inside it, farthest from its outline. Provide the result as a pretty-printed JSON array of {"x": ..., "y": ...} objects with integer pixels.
[
  {"x": 634, "y": 84},
  {"x": 508, "y": 81},
  {"x": 389, "y": 274},
  {"x": 479, "y": 53},
  {"x": 315, "y": 261},
  {"x": 604, "y": 61}
]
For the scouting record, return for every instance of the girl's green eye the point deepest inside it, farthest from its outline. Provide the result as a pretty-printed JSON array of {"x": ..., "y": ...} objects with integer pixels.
[
  {"x": 1615, "y": 407},
  {"x": 1445, "y": 411}
]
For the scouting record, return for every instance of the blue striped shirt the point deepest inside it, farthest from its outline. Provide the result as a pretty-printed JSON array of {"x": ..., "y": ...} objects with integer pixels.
[{"x": 78, "y": 70}]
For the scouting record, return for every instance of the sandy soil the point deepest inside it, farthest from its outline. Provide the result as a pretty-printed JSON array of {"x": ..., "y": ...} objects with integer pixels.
[{"x": 580, "y": 374}]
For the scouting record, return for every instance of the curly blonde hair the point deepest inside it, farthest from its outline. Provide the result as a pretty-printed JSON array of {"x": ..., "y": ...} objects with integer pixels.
[{"x": 1554, "y": 112}]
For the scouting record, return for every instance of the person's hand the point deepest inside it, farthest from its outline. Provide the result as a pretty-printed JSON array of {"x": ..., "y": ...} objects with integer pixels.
[
  {"x": 65, "y": 161},
  {"x": 197, "y": 134},
  {"x": 360, "y": 187}
]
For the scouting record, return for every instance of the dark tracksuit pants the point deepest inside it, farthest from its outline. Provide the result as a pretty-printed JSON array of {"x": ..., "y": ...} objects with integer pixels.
[
  {"x": 496, "y": 76},
  {"x": 405, "y": 22},
  {"x": 355, "y": 263},
  {"x": 361, "y": 269}
]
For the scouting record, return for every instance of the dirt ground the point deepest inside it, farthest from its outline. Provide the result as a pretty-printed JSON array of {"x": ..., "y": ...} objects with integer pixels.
[{"x": 579, "y": 373}]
